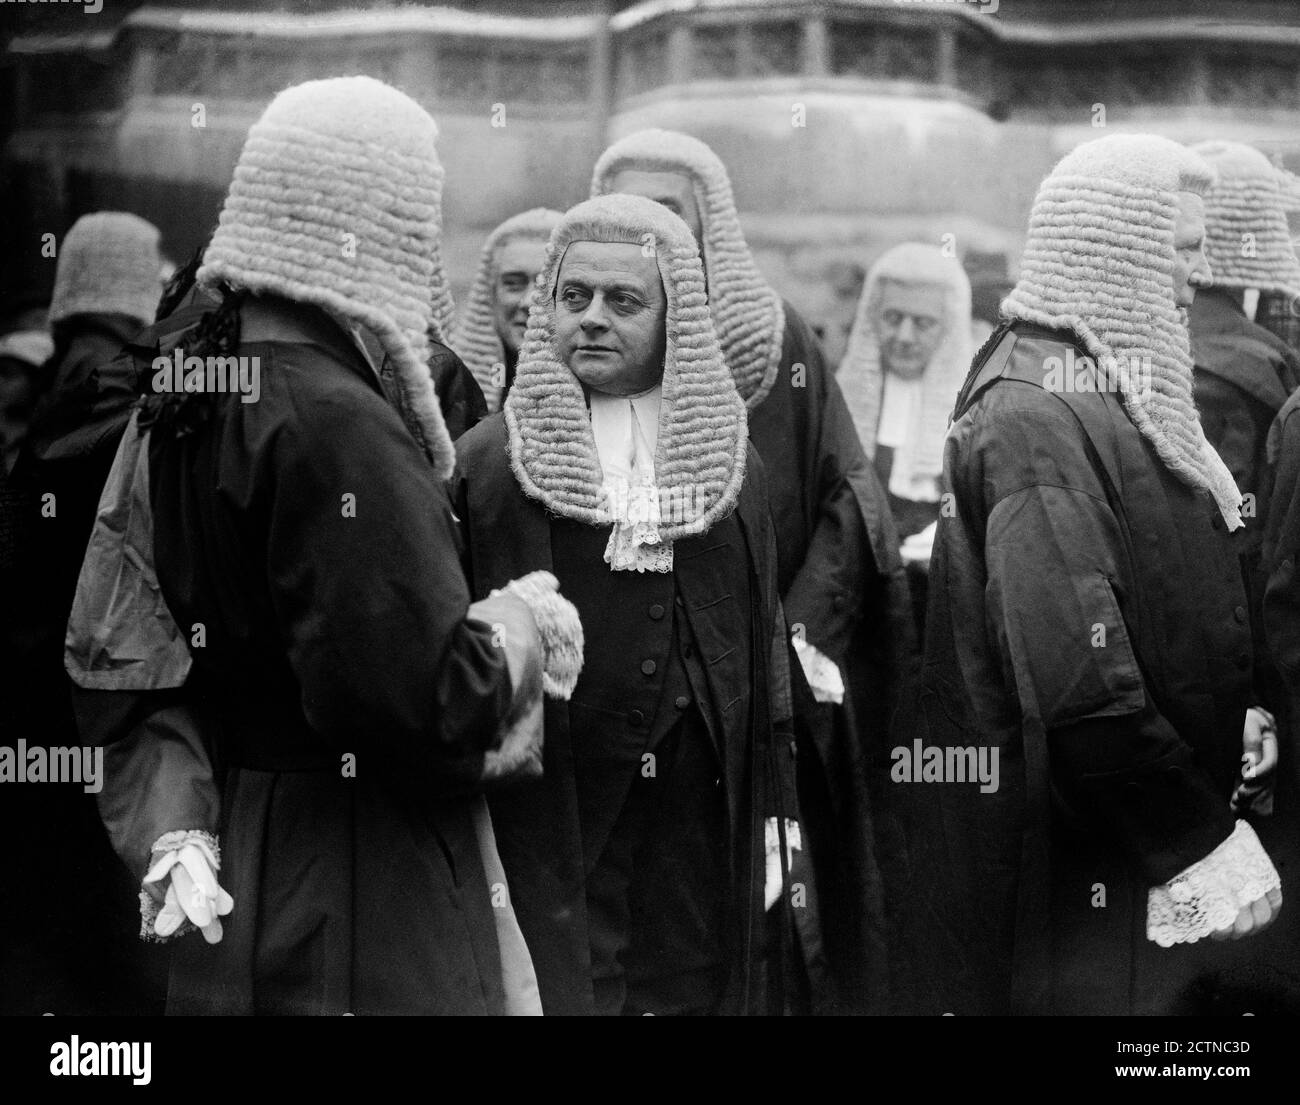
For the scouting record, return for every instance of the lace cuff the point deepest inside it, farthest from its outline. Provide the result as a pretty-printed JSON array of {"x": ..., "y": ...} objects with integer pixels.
[
  {"x": 1209, "y": 894},
  {"x": 149, "y": 905},
  {"x": 819, "y": 669}
]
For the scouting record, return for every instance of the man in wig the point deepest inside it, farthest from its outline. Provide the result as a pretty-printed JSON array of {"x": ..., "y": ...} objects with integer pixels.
[
  {"x": 840, "y": 576},
  {"x": 1087, "y": 629},
  {"x": 490, "y": 331},
  {"x": 646, "y": 864},
  {"x": 1244, "y": 373},
  {"x": 909, "y": 351},
  {"x": 315, "y": 701}
]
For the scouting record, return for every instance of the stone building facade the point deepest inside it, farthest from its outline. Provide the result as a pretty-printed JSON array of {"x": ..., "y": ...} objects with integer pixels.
[{"x": 848, "y": 126}]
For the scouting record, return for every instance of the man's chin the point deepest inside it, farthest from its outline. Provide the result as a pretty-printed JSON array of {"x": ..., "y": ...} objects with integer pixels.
[
  {"x": 596, "y": 373},
  {"x": 907, "y": 371}
]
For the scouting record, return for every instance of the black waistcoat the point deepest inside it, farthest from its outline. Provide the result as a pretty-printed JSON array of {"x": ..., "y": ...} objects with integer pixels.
[
  {"x": 641, "y": 670},
  {"x": 727, "y": 585}
]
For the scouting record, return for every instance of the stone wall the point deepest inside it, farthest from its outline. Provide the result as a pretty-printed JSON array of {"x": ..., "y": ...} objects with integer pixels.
[{"x": 847, "y": 127}]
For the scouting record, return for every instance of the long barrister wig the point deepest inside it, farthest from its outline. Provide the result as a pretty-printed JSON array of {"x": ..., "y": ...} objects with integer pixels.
[
  {"x": 337, "y": 202},
  {"x": 1099, "y": 261},
  {"x": 1246, "y": 235},
  {"x": 474, "y": 336},
  {"x": 747, "y": 314},
  {"x": 919, "y": 461},
  {"x": 700, "y": 457}
]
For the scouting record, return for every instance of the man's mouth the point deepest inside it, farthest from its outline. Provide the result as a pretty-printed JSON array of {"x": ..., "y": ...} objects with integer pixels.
[{"x": 595, "y": 349}]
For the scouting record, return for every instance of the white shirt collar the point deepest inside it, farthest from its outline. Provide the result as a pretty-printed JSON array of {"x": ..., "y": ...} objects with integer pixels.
[{"x": 626, "y": 429}]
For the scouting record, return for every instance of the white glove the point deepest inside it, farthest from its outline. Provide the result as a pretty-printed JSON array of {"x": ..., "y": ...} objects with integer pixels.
[
  {"x": 772, "y": 843},
  {"x": 918, "y": 548},
  {"x": 819, "y": 669},
  {"x": 186, "y": 864}
]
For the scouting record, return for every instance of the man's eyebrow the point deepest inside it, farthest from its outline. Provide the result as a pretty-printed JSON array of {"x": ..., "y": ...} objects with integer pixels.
[{"x": 615, "y": 285}]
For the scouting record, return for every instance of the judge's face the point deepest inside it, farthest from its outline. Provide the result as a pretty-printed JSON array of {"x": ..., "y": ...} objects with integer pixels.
[
  {"x": 910, "y": 322},
  {"x": 1191, "y": 267},
  {"x": 675, "y": 191},
  {"x": 518, "y": 262},
  {"x": 610, "y": 311}
]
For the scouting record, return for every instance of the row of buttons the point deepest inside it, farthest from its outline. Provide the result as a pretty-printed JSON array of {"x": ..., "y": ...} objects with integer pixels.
[{"x": 636, "y": 718}]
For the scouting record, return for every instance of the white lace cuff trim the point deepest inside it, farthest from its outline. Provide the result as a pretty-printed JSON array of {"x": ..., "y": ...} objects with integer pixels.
[
  {"x": 169, "y": 844},
  {"x": 1208, "y": 895}
]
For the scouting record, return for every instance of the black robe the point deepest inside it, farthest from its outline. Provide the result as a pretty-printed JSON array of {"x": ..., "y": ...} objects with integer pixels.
[
  {"x": 73, "y": 953},
  {"x": 1087, "y": 619},
  {"x": 541, "y": 824},
  {"x": 332, "y": 626},
  {"x": 1244, "y": 375},
  {"x": 843, "y": 586}
]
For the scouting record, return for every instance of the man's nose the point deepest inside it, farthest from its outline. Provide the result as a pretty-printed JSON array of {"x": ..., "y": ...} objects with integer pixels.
[
  {"x": 1202, "y": 275},
  {"x": 906, "y": 331},
  {"x": 594, "y": 316}
]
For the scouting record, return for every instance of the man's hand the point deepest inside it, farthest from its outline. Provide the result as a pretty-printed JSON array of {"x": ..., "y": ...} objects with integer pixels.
[
  {"x": 1253, "y": 919},
  {"x": 1258, "y": 763}
]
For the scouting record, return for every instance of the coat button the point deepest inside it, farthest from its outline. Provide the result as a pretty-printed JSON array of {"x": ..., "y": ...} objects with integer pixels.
[
  {"x": 656, "y": 611},
  {"x": 682, "y": 701},
  {"x": 648, "y": 667},
  {"x": 1240, "y": 614},
  {"x": 678, "y": 600},
  {"x": 636, "y": 718}
]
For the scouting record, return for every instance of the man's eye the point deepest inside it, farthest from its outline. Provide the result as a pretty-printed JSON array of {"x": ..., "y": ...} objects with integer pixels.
[
  {"x": 925, "y": 325},
  {"x": 572, "y": 297}
]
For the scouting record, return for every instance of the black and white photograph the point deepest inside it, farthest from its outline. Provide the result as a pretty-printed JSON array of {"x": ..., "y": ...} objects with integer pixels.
[{"x": 720, "y": 508}]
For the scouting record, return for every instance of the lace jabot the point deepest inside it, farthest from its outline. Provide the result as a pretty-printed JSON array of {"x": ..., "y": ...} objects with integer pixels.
[{"x": 626, "y": 431}]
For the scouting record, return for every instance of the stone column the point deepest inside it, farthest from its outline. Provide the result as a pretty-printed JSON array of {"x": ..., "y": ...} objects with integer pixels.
[
  {"x": 679, "y": 51},
  {"x": 816, "y": 48}
]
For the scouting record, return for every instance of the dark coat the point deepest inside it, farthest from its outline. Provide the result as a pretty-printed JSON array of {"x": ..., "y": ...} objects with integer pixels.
[
  {"x": 329, "y": 631},
  {"x": 1281, "y": 552},
  {"x": 538, "y": 823},
  {"x": 459, "y": 396},
  {"x": 1087, "y": 619},
  {"x": 69, "y": 449},
  {"x": 1244, "y": 375},
  {"x": 843, "y": 586},
  {"x": 1281, "y": 612},
  {"x": 78, "y": 955}
]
